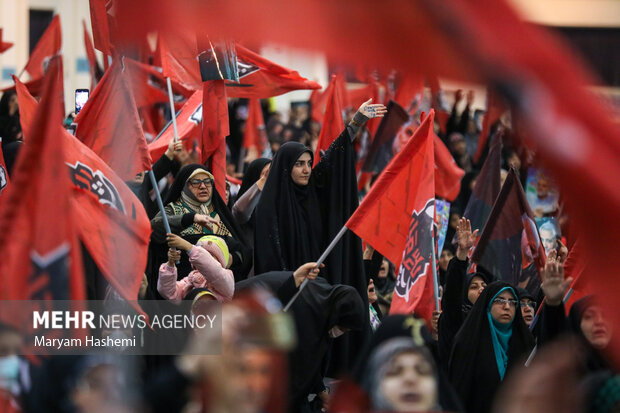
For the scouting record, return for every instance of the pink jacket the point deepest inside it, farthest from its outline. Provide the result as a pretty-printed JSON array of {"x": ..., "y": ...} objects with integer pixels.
[{"x": 208, "y": 273}]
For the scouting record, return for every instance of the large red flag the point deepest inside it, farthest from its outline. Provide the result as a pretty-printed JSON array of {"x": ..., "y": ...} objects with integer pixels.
[
  {"x": 111, "y": 221},
  {"x": 255, "y": 134},
  {"x": 215, "y": 129},
  {"x": 100, "y": 26},
  {"x": 48, "y": 46},
  {"x": 42, "y": 256},
  {"x": 333, "y": 124},
  {"x": 410, "y": 91},
  {"x": 4, "y": 46},
  {"x": 383, "y": 218},
  {"x": 178, "y": 56},
  {"x": 189, "y": 127},
  {"x": 109, "y": 124},
  {"x": 149, "y": 86}
]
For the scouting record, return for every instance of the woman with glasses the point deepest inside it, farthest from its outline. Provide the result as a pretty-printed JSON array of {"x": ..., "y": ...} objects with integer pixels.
[
  {"x": 195, "y": 209},
  {"x": 492, "y": 340}
]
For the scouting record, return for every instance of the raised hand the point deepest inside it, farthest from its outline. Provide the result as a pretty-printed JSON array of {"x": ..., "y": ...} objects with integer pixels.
[
  {"x": 308, "y": 270},
  {"x": 466, "y": 238},
  {"x": 553, "y": 283},
  {"x": 372, "y": 110}
]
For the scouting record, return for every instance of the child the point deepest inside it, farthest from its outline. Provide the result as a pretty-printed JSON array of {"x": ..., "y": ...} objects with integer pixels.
[{"x": 209, "y": 258}]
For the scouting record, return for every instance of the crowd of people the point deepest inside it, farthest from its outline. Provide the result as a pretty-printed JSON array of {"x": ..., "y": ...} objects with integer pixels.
[{"x": 337, "y": 348}]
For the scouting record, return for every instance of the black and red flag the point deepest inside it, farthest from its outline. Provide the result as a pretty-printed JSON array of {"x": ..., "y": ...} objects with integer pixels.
[
  {"x": 510, "y": 242},
  {"x": 487, "y": 187},
  {"x": 110, "y": 221},
  {"x": 37, "y": 228}
]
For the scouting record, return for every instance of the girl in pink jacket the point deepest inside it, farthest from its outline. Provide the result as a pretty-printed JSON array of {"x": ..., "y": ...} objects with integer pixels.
[{"x": 209, "y": 258}]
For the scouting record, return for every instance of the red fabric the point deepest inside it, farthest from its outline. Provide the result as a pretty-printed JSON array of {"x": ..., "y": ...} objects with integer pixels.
[
  {"x": 447, "y": 173},
  {"x": 215, "y": 129},
  {"x": 575, "y": 266},
  {"x": 189, "y": 127},
  {"x": 48, "y": 46},
  {"x": 494, "y": 111},
  {"x": 109, "y": 124},
  {"x": 92, "y": 57},
  {"x": 360, "y": 95},
  {"x": 42, "y": 255},
  {"x": 333, "y": 125},
  {"x": 317, "y": 99},
  {"x": 178, "y": 55},
  {"x": 341, "y": 84},
  {"x": 100, "y": 27},
  {"x": 111, "y": 222},
  {"x": 410, "y": 89},
  {"x": 384, "y": 216},
  {"x": 149, "y": 86},
  {"x": 27, "y": 106},
  {"x": 373, "y": 124},
  {"x": 269, "y": 80},
  {"x": 255, "y": 134},
  {"x": 4, "y": 46},
  {"x": 4, "y": 175}
]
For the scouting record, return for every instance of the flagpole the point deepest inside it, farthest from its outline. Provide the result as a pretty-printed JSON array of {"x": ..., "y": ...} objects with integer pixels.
[
  {"x": 434, "y": 263},
  {"x": 322, "y": 258},
  {"x": 160, "y": 204},
  {"x": 569, "y": 293},
  {"x": 172, "y": 112}
]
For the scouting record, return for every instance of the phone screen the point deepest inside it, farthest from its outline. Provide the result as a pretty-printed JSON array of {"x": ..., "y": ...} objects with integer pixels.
[{"x": 81, "y": 96}]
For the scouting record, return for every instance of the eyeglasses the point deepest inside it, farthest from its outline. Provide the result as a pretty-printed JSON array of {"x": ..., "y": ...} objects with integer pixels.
[
  {"x": 196, "y": 182},
  {"x": 528, "y": 304},
  {"x": 503, "y": 301}
]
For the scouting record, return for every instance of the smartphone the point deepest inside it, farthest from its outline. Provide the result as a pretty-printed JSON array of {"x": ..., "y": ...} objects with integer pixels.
[{"x": 81, "y": 96}]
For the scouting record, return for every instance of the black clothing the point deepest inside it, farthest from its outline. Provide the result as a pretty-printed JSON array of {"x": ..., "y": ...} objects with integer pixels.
[
  {"x": 473, "y": 367},
  {"x": 161, "y": 168},
  {"x": 319, "y": 307},
  {"x": 295, "y": 224},
  {"x": 455, "y": 305},
  {"x": 158, "y": 248}
]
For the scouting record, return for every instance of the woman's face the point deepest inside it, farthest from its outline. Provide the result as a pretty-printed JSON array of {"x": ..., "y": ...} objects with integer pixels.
[
  {"x": 201, "y": 186},
  {"x": 302, "y": 169},
  {"x": 595, "y": 328},
  {"x": 383, "y": 271},
  {"x": 409, "y": 383},
  {"x": 372, "y": 293},
  {"x": 475, "y": 289},
  {"x": 504, "y": 307}
]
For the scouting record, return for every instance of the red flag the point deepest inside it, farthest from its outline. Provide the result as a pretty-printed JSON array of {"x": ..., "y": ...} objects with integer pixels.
[
  {"x": 42, "y": 256},
  {"x": 509, "y": 241},
  {"x": 149, "y": 86},
  {"x": 109, "y": 124},
  {"x": 410, "y": 92},
  {"x": 4, "y": 174},
  {"x": 333, "y": 125},
  {"x": 575, "y": 266},
  {"x": 111, "y": 222},
  {"x": 95, "y": 71},
  {"x": 48, "y": 46},
  {"x": 215, "y": 129},
  {"x": 360, "y": 95},
  {"x": 100, "y": 26},
  {"x": 383, "y": 218},
  {"x": 447, "y": 173},
  {"x": 189, "y": 127},
  {"x": 261, "y": 78},
  {"x": 495, "y": 109},
  {"x": 4, "y": 46},
  {"x": 255, "y": 134},
  {"x": 178, "y": 55}
]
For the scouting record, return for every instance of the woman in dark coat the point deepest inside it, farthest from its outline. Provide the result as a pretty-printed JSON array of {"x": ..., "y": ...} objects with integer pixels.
[
  {"x": 492, "y": 340},
  {"x": 194, "y": 209}
]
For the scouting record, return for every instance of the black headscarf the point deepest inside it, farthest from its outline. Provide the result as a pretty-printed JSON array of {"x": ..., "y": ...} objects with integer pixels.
[
  {"x": 593, "y": 360},
  {"x": 319, "y": 307},
  {"x": 409, "y": 326},
  {"x": 288, "y": 217},
  {"x": 473, "y": 368},
  {"x": 252, "y": 174}
]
